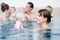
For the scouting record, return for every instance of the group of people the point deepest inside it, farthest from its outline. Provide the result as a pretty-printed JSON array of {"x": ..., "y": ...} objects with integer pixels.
[{"x": 43, "y": 17}]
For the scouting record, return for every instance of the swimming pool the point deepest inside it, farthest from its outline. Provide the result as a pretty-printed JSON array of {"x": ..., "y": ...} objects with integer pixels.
[{"x": 8, "y": 33}]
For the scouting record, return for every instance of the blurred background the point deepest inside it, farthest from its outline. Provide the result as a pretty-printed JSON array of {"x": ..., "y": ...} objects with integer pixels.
[{"x": 37, "y": 3}]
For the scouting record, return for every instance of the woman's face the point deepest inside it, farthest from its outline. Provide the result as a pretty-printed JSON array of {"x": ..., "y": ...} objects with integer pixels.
[{"x": 42, "y": 20}]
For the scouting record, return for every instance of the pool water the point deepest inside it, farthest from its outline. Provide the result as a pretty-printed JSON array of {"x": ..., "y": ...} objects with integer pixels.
[{"x": 7, "y": 31}]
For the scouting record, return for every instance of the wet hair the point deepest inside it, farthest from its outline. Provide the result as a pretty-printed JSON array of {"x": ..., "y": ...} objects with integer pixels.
[
  {"x": 2, "y": 3},
  {"x": 46, "y": 14},
  {"x": 4, "y": 7},
  {"x": 31, "y": 5}
]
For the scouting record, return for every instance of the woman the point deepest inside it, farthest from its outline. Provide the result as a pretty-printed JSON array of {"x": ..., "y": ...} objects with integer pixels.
[
  {"x": 5, "y": 10},
  {"x": 45, "y": 19},
  {"x": 6, "y": 24}
]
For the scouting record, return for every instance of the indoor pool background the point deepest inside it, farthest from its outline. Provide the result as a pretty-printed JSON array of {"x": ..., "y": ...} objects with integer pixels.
[{"x": 8, "y": 33}]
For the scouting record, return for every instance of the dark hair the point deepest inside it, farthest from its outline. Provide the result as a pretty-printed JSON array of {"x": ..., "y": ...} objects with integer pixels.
[
  {"x": 4, "y": 7},
  {"x": 51, "y": 9},
  {"x": 31, "y": 5},
  {"x": 49, "y": 6},
  {"x": 2, "y": 3},
  {"x": 45, "y": 13}
]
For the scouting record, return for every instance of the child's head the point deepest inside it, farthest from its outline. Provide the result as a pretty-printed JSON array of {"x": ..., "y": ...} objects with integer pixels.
[
  {"x": 22, "y": 10},
  {"x": 49, "y": 8},
  {"x": 45, "y": 16},
  {"x": 12, "y": 9}
]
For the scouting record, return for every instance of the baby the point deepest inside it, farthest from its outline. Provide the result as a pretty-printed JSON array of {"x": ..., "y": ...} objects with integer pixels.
[{"x": 20, "y": 17}]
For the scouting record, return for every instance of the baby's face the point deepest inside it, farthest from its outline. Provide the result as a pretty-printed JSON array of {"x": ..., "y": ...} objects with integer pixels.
[{"x": 22, "y": 10}]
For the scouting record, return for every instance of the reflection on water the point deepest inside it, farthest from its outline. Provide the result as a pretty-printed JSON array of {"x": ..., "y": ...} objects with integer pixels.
[{"x": 8, "y": 33}]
